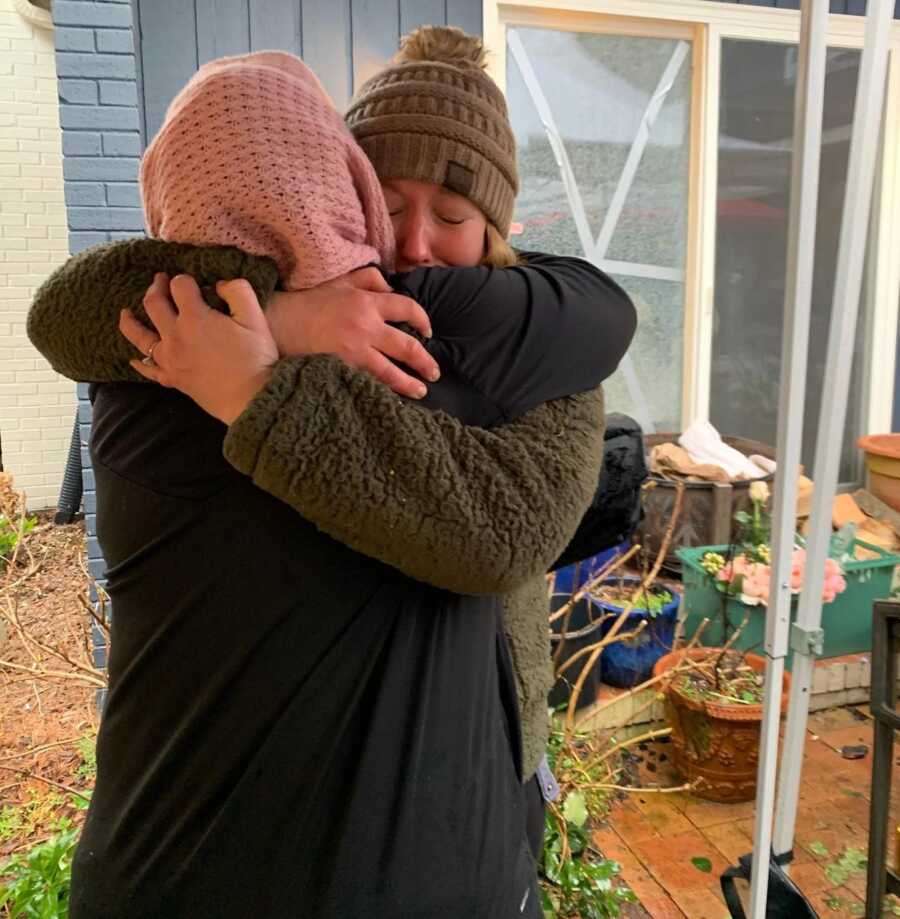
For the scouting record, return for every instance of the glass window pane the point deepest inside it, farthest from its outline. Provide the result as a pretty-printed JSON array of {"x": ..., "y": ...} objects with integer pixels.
[
  {"x": 755, "y": 143},
  {"x": 600, "y": 92}
]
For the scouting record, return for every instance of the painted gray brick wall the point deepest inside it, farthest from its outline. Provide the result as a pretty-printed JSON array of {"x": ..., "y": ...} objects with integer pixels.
[{"x": 98, "y": 109}]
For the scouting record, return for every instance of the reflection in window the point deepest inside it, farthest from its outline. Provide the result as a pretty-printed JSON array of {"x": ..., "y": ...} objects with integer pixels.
[
  {"x": 756, "y": 123},
  {"x": 611, "y": 100}
]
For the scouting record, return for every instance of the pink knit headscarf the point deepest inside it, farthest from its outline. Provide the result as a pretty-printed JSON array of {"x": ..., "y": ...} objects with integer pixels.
[{"x": 253, "y": 154}]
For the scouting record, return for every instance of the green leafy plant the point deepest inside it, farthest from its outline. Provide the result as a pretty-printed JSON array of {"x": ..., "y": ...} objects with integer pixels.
[
  {"x": 577, "y": 880},
  {"x": 575, "y": 883},
  {"x": 841, "y": 905},
  {"x": 87, "y": 749},
  {"x": 702, "y": 864},
  {"x": 11, "y": 533},
  {"x": 10, "y": 822},
  {"x": 851, "y": 861},
  {"x": 35, "y": 885},
  {"x": 27, "y": 818},
  {"x": 722, "y": 677},
  {"x": 653, "y": 602},
  {"x": 648, "y": 601}
]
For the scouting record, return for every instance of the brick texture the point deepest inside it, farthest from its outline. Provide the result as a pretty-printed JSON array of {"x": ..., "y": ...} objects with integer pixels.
[
  {"x": 37, "y": 406},
  {"x": 95, "y": 47}
]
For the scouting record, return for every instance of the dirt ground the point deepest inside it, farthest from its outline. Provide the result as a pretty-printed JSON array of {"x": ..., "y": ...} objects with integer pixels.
[{"x": 47, "y": 723}]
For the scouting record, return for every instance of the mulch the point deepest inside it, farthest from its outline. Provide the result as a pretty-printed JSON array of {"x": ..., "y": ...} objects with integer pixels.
[{"x": 44, "y": 720}]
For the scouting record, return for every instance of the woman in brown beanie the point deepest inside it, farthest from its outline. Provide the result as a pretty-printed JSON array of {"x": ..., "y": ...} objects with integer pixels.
[
  {"x": 436, "y": 128},
  {"x": 294, "y": 727}
]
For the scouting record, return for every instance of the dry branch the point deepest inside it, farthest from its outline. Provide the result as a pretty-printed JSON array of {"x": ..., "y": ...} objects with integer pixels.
[
  {"x": 13, "y": 508},
  {"x": 651, "y": 789},
  {"x": 27, "y": 773},
  {"x": 83, "y": 671},
  {"x": 594, "y": 582}
]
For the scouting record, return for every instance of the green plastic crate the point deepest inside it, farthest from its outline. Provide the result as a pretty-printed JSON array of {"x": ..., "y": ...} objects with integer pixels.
[{"x": 847, "y": 621}]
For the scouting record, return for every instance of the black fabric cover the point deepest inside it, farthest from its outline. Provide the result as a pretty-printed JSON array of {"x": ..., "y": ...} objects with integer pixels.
[
  {"x": 615, "y": 512},
  {"x": 785, "y": 900}
]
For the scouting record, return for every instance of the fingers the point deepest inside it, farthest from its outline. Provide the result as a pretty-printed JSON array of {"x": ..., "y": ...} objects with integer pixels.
[
  {"x": 391, "y": 375},
  {"x": 150, "y": 371},
  {"x": 368, "y": 279},
  {"x": 186, "y": 294},
  {"x": 243, "y": 303},
  {"x": 397, "y": 308},
  {"x": 404, "y": 348},
  {"x": 136, "y": 332},
  {"x": 159, "y": 305}
]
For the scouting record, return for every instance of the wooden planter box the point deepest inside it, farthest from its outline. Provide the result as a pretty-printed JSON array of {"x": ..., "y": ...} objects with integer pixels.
[{"x": 707, "y": 514}]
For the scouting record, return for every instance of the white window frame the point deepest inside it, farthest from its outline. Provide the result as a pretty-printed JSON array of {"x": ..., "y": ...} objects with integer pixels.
[{"x": 706, "y": 24}]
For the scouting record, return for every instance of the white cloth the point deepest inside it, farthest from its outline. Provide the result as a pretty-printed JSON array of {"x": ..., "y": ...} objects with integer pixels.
[
  {"x": 764, "y": 462},
  {"x": 704, "y": 444}
]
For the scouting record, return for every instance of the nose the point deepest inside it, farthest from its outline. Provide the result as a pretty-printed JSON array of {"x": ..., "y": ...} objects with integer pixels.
[{"x": 413, "y": 242}]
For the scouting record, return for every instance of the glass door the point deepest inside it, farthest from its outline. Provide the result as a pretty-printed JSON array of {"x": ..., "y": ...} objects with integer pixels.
[
  {"x": 603, "y": 126},
  {"x": 756, "y": 125}
]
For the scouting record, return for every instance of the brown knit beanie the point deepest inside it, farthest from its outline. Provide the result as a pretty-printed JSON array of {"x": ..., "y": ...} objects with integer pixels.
[{"x": 434, "y": 114}]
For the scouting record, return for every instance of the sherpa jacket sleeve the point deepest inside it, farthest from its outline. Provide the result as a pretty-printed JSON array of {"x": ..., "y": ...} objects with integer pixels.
[
  {"x": 73, "y": 323},
  {"x": 517, "y": 336},
  {"x": 74, "y": 317},
  {"x": 472, "y": 510}
]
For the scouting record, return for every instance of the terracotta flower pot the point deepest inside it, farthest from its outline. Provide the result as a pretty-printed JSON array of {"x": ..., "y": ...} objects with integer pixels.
[
  {"x": 715, "y": 744},
  {"x": 883, "y": 464}
]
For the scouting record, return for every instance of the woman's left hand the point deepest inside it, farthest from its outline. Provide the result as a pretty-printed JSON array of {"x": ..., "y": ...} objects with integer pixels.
[{"x": 221, "y": 362}]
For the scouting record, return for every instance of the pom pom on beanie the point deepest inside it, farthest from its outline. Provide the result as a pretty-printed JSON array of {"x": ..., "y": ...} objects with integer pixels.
[{"x": 435, "y": 115}]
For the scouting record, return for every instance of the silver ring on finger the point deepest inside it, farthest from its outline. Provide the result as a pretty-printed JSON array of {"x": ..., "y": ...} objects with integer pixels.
[{"x": 148, "y": 360}]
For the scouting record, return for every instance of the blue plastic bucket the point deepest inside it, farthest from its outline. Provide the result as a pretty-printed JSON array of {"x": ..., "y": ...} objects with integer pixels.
[
  {"x": 568, "y": 581},
  {"x": 570, "y": 578},
  {"x": 629, "y": 662}
]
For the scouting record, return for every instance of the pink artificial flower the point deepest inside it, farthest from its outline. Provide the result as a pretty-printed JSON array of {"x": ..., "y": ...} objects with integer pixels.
[
  {"x": 834, "y": 585},
  {"x": 831, "y": 567},
  {"x": 742, "y": 565},
  {"x": 757, "y": 577},
  {"x": 758, "y": 582}
]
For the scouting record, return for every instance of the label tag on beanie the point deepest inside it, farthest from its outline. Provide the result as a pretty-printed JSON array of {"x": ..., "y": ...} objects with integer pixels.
[{"x": 459, "y": 179}]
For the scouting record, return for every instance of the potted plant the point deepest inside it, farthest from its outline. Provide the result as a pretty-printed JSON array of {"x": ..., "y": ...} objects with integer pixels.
[
  {"x": 713, "y": 704},
  {"x": 630, "y": 661},
  {"x": 713, "y": 700}
]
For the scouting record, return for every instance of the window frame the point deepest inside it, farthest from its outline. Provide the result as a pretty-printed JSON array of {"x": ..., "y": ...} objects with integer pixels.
[{"x": 706, "y": 24}]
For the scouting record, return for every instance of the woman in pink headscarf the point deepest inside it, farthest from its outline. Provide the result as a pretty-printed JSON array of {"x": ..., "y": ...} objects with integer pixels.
[{"x": 295, "y": 727}]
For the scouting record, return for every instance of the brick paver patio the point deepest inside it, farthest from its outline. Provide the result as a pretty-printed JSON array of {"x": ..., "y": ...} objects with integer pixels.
[{"x": 656, "y": 836}]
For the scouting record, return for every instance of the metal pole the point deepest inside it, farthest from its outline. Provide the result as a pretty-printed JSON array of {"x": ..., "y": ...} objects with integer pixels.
[
  {"x": 808, "y": 106},
  {"x": 885, "y": 647},
  {"x": 851, "y": 253}
]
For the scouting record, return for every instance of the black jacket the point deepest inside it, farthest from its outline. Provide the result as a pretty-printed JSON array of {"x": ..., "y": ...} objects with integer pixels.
[{"x": 292, "y": 728}]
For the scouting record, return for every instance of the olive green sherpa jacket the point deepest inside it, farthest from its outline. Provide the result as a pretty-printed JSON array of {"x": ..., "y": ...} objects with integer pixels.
[{"x": 468, "y": 509}]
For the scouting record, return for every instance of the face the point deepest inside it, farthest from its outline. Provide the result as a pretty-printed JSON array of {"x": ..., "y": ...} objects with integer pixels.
[{"x": 433, "y": 225}]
